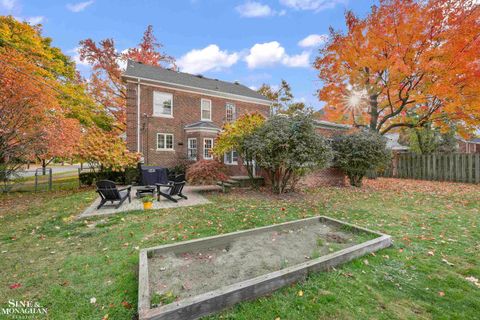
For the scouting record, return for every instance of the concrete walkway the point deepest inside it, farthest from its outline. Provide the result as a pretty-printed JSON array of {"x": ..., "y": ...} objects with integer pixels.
[{"x": 192, "y": 192}]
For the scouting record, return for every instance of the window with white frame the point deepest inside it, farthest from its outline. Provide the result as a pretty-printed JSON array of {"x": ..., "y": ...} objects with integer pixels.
[
  {"x": 162, "y": 104},
  {"x": 231, "y": 157},
  {"x": 206, "y": 110},
  {"x": 192, "y": 149},
  {"x": 229, "y": 112},
  {"x": 207, "y": 148},
  {"x": 164, "y": 141}
]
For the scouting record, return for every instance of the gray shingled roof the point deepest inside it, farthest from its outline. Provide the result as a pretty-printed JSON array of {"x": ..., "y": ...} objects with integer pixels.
[
  {"x": 202, "y": 124},
  {"x": 135, "y": 69}
]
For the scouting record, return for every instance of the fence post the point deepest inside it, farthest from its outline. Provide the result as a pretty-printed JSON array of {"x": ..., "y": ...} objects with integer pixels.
[
  {"x": 50, "y": 180},
  {"x": 477, "y": 168},
  {"x": 36, "y": 180}
]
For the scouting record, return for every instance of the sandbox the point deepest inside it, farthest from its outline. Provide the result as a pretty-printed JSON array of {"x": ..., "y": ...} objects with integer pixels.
[{"x": 195, "y": 278}]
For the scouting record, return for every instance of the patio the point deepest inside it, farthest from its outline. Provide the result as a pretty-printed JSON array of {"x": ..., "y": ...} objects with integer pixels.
[{"x": 192, "y": 192}]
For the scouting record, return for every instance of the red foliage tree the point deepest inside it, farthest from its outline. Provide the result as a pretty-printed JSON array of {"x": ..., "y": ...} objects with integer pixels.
[{"x": 105, "y": 84}]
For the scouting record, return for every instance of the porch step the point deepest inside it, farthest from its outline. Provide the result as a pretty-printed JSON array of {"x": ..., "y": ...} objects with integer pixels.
[
  {"x": 233, "y": 182},
  {"x": 226, "y": 186}
]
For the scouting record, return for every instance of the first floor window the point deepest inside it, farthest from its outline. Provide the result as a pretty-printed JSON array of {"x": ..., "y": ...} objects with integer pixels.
[
  {"x": 192, "y": 149},
  {"x": 231, "y": 157},
  {"x": 207, "y": 148},
  {"x": 162, "y": 104},
  {"x": 164, "y": 141}
]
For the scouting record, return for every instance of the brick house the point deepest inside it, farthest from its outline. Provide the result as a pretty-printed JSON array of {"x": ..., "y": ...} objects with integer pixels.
[{"x": 174, "y": 116}]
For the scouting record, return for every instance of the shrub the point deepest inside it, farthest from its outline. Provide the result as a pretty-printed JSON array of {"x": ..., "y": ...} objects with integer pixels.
[
  {"x": 287, "y": 147},
  {"x": 358, "y": 153},
  {"x": 206, "y": 172},
  {"x": 86, "y": 178},
  {"x": 129, "y": 175},
  {"x": 180, "y": 168}
]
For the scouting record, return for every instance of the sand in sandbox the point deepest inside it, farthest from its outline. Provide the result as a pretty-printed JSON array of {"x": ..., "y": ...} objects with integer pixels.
[{"x": 192, "y": 273}]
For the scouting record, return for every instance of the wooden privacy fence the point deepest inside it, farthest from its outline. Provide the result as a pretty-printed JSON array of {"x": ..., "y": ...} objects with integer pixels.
[{"x": 457, "y": 167}]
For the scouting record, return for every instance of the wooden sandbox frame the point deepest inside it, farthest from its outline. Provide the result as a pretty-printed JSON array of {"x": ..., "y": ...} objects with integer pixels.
[{"x": 214, "y": 301}]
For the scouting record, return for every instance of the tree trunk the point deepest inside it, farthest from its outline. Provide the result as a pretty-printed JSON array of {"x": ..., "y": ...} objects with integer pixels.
[
  {"x": 355, "y": 180},
  {"x": 44, "y": 167},
  {"x": 374, "y": 112}
]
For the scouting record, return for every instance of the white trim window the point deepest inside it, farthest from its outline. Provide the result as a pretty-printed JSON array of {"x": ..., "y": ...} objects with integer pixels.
[
  {"x": 165, "y": 142},
  {"x": 162, "y": 104},
  {"x": 230, "y": 158},
  {"x": 229, "y": 112},
  {"x": 192, "y": 149},
  {"x": 206, "y": 110},
  {"x": 207, "y": 148}
]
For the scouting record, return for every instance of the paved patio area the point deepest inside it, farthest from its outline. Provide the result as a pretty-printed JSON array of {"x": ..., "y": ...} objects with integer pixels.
[{"x": 192, "y": 192}]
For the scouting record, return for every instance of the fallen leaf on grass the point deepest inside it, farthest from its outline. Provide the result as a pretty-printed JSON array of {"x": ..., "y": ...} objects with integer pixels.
[
  {"x": 431, "y": 253},
  {"x": 441, "y": 293},
  {"x": 473, "y": 280},
  {"x": 447, "y": 262},
  {"x": 126, "y": 305},
  {"x": 15, "y": 286},
  {"x": 105, "y": 317}
]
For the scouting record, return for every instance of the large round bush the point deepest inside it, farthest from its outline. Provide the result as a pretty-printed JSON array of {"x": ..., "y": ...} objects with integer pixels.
[{"x": 359, "y": 152}]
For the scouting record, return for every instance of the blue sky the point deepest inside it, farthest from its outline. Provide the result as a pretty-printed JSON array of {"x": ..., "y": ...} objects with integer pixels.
[{"x": 248, "y": 41}]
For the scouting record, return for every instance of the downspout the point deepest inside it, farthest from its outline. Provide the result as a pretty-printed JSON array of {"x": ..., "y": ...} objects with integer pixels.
[{"x": 138, "y": 115}]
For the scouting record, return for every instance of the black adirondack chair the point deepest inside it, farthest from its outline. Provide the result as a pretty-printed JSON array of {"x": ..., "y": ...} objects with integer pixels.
[
  {"x": 108, "y": 191},
  {"x": 174, "y": 189}
]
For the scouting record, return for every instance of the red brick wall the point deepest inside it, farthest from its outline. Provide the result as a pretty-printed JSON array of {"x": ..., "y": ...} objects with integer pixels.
[
  {"x": 324, "y": 177},
  {"x": 186, "y": 110}
]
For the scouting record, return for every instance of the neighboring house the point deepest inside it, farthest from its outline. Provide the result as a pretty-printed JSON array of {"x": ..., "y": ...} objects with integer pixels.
[
  {"x": 468, "y": 146},
  {"x": 174, "y": 116},
  {"x": 393, "y": 144}
]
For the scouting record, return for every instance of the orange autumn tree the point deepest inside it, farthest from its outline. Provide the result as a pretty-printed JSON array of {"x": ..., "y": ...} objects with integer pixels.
[
  {"x": 59, "y": 139},
  {"x": 406, "y": 64},
  {"x": 24, "y": 104},
  {"x": 105, "y": 84},
  {"x": 105, "y": 150}
]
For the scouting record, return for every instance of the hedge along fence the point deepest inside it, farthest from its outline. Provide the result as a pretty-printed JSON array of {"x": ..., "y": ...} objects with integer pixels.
[
  {"x": 457, "y": 167},
  {"x": 125, "y": 177}
]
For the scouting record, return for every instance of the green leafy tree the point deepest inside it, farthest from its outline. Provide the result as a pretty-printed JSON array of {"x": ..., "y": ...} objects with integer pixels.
[
  {"x": 427, "y": 139},
  {"x": 55, "y": 70},
  {"x": 234, "y": 135},
  {"x": 359, "y": 152},
  {"x": 287, "y": 147},
  {"x": 282, "y": 98}
]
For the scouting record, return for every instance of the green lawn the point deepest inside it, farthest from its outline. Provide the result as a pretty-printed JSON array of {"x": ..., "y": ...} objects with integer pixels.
[{"x": 63, "y": 263}]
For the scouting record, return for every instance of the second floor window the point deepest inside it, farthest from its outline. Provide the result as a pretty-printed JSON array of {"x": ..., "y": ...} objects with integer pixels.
[
  {"x": 207, "y": 148},
  {"x": 192, "y": 149},
  {"x": 162, "y": 104},
  {"x": 229, "y": 112},
  {"x": 206, "y": 109},
  {"x": 164, "y": 141}
]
